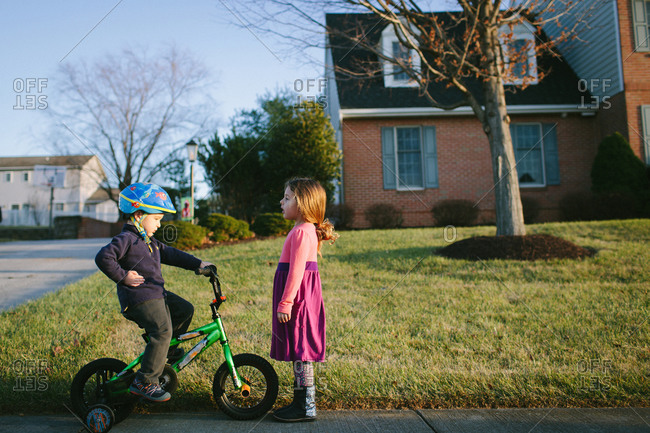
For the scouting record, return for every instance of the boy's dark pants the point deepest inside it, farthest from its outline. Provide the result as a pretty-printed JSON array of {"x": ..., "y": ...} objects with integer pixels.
[{"x": 161, "y": 319}]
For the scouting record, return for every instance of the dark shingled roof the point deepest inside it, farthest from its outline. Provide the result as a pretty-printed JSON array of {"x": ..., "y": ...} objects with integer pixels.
[{"x": 558, "y": 87}]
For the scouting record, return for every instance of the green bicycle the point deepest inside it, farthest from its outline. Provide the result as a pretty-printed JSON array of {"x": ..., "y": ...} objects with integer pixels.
[{"x": 245, "y": 386}]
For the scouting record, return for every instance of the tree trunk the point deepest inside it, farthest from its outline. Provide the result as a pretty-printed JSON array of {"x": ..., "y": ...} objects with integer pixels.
[{"x": 509, "y": 212}]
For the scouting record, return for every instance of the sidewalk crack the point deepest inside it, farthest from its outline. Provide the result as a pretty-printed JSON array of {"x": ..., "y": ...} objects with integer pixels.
[{"x": 417, "y": 411}]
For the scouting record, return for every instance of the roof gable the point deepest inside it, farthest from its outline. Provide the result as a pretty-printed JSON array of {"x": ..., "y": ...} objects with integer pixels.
[
  {"x": 28, "y": 162},
  {"x": 559, "y": 86}
]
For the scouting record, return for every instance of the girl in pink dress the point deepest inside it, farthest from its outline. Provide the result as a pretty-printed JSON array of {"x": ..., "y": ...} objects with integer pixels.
[{"x": 298, "y": 311}]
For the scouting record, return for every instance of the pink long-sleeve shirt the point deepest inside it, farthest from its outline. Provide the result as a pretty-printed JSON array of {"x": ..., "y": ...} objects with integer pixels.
[{"x": 300, "y": 247}]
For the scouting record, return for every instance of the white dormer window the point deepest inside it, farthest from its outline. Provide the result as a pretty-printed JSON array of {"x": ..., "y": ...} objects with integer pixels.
[
  {"x": 391, "y": 47},
  {"x": 519, "y": 55}
]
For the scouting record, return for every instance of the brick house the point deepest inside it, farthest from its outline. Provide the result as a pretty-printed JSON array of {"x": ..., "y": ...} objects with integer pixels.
[
  {"x": 397, "y": 149},
  {"x": 614, "y": 65}
]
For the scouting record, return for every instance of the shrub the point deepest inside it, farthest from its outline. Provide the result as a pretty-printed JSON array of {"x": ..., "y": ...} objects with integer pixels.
[
  {"x": 604, "y": 206},
  {"x": 383, "y": 216},
  {"x": 457, "y": 213},
  {"x": 341, "y": 215},
  {"x": 224, "y": 228},
  {"x": 24, "y": 233},
  {"x": 181, "y": 234},
  {"x": 531, "y": 209},
  {"x": 66, "y": 227},
  {"x": 576, "y": 206},
  {"x": 271, "y": 224},
  {"x": 617, "y": 169}
]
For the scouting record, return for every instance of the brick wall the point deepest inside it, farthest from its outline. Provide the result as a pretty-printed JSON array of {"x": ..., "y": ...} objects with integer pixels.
[
  {"x": 636, "y": 77},
  {"x": 464, "y": 168},
  {"x": 92, "y": 228}
]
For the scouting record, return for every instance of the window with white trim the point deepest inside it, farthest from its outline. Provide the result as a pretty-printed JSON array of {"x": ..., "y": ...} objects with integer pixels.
[
  {"x": 409, "y": 157},
  {"x": 645, "y": 121},
  {"x": 529, "y": 154},
  {"x": 391, "y": 47},
  {"x": 536, "y": 154},
  {"x": 519, "y": 55},
  {"x": 7, "y": 177},
  {"x": 641, "y": 24},
  {"x": 408, "y": 154},
  {"x": 26, "y": 176}
]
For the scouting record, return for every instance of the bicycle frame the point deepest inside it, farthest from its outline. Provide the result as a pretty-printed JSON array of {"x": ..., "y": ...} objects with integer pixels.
[{"x": 212, "y": 333}]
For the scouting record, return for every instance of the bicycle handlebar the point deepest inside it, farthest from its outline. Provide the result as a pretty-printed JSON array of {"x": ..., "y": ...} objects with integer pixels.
[
  {"x": 208, "y": 271},
  {"x": 211, "y": 271}
]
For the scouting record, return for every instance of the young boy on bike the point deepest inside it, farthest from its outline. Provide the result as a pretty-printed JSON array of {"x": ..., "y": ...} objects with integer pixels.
[{"x": 133, "y": 260}]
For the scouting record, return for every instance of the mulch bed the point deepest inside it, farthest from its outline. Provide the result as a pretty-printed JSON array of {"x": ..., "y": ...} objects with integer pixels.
[{"x": 529, "y": 247}]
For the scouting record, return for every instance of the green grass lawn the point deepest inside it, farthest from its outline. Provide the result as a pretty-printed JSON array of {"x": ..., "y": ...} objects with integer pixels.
[{"x": 405, "y": 327}]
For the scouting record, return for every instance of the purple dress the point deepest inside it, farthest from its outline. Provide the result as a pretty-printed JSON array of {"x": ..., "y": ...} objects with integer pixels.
[{"x": 303, "y": 337}]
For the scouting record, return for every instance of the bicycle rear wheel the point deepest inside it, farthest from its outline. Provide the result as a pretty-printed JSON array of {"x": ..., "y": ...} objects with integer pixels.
[
  {"x": 89, "y": 387},
  {"x": 262, "y": 387}
]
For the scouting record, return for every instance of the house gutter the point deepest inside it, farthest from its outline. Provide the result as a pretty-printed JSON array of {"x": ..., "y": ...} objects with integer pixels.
[{"x": 352, "y": 113}]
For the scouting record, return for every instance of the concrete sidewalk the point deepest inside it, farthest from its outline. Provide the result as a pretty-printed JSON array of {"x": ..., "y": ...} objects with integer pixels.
[
  {"x": 621, "y": 420},
  {"x": 30, "y": 269}
]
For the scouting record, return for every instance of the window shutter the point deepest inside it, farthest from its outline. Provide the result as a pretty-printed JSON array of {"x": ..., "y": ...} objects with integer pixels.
[
  {"x": 550, "y": 154},
  {"x": 645, "y": 117},
  {"x": 388, "y": 157},
  {"x": 430, "y": 157},
  {"x": 640, "y": 26}
]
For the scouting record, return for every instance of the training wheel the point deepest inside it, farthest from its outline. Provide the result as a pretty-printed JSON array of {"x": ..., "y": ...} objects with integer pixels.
[{"x": 99, "y": 418}]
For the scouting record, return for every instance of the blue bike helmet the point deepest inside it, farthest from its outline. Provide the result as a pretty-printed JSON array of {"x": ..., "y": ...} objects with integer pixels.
[{"x": 149, "y": 198}]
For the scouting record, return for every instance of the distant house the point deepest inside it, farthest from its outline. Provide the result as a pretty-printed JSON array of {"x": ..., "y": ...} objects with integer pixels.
[
  {"x": 25, "y": 199},
  {"x": 397, "y": 149}
]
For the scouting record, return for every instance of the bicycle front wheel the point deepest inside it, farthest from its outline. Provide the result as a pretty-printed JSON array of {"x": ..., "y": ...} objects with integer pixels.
[{"x": 253, "y": 400}]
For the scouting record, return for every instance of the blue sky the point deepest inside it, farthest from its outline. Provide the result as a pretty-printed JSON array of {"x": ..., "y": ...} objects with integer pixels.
[{"x": 41, "y": 35}]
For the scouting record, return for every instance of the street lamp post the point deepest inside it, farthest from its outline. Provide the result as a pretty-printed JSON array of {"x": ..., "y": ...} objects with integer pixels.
[{"x": 191, "y": 154}]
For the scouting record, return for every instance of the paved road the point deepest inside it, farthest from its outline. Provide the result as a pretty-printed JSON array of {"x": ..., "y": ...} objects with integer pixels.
[
  {"x": 623, "y": 420},
  {"x": 29, "y": 269}
]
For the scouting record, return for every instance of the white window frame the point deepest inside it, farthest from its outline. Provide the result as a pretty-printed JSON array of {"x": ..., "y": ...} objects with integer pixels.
[
  {"x": 26, "y": 177},
  {"x": 396, "y": 145},
  {"x": 8, "y": 177},
  {"x": 640, "y": 25},
  {"x": 523, "y": 31},
  {"x": 645, "y": 123},
  {"x": 388, "y": 36},
  {"x": 541, "y": 149}
]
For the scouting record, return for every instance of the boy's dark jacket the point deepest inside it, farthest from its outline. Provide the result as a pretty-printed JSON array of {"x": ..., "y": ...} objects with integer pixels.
[{"x": 128, "y": 251}]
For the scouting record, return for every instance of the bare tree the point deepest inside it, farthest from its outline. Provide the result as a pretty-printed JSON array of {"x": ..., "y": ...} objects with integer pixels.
[
  {"x": 470, "y": 50},
  {"x": 134, "y": 112}
]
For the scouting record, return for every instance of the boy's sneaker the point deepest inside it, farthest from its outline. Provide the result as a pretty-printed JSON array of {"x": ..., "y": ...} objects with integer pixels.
[{"x": 150, "y": 391}]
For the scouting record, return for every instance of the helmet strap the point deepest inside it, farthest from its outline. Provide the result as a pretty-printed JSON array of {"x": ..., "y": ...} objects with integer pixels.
[{"x": 141, "y": 230}]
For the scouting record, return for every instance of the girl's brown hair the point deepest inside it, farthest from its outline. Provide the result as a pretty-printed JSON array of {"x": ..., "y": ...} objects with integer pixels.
[{"x": 312, "y": 200}]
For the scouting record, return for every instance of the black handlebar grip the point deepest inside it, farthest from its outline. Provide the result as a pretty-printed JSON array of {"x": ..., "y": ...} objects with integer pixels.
[{"x": 207, "y": 271}]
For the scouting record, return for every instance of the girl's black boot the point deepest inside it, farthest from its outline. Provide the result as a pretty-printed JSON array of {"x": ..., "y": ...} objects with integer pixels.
[
  {"x": 303, "y": 410},
  {"x": 292, "y": 404}
]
